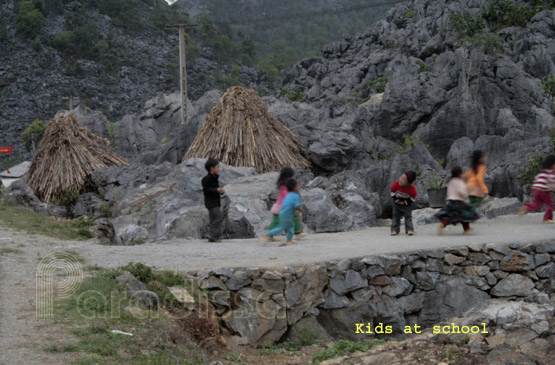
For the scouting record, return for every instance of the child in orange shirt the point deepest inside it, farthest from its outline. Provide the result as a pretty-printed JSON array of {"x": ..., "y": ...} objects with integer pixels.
[{"x": 474, "y": 177}]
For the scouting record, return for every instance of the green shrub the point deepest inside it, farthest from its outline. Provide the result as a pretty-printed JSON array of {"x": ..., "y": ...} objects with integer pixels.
[
  {"x": 139, "y": 270},
  {"x": 294, "y": 96},
  {"x": 84, "y": 38},
  {"x": 267, "y": 66},
  {"x": 422, "y": 67},
  {"x": 33, "y": 134},
  {"x": 505, "y": 14},
  {"x": 549, "y": 85},
  {"x": 29, "y": 19},
  {"x": 61, "y": 41},
  {"x": 37, "y": 46},
  {"x": 408, "y": 143},
  {"x": 411, "y": 14},
  {"x": 466, "y": 25},
  {"x": 435, "y": 183},
  {"x": 489, "y": 42},
  {"x": 379, "y": 85},
  {"x": 344, "y": 347},
  {"x": 3, "y": 30}
]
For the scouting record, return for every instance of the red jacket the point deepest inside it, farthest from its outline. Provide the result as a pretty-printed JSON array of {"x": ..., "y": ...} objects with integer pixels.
[{"x": 403, "y": 195}]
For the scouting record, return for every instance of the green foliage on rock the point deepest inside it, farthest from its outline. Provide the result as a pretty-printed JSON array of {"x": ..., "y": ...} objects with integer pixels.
[
  {"x": 29, "y": 19},
  {"x": 379, "y": 84},
  {"x": 503, "y": 14},
  {"x": 549, "y": 85},
  {"x": 33, "y": 134}
]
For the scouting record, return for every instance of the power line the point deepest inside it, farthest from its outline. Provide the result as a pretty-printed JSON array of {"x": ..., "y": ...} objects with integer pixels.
[{"x": 310, "y": 14}]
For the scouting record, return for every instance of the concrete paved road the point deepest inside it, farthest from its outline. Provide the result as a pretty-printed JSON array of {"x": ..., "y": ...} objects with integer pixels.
[{"x": 184, "y": 255}]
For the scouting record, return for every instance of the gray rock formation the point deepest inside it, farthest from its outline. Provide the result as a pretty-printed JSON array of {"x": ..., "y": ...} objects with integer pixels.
[
  {"x": 138, "y": 291},
  {"x": 453, "y": 99},
  {"x": 152, "y": 202}
]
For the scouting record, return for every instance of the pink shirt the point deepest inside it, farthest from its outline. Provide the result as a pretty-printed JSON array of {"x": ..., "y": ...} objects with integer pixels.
[
  {"x": 457, "y": 190},
  {"x": 281, "y": 195}
]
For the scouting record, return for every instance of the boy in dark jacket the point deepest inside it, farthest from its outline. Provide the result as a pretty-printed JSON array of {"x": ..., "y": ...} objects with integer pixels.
[
  {"x": 403, "y": 194},
  {"x": 212, "y": 192}
]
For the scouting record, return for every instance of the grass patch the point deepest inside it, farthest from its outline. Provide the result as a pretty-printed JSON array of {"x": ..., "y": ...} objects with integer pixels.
[
  {"x": 7, "y": 250},
  {"x": 22, "y": 219},
  {"x": 61, "y": 348},
  {"x": 344, "y": 347},
  {"x": 98, "y": 307}
]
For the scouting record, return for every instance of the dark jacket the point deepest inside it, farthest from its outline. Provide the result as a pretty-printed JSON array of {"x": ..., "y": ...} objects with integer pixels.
[{"x": 210, "y": 187}]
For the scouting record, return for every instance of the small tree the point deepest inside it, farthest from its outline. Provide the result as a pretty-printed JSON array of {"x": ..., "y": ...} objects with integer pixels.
[
  {"x": 33, "y": 134},
  {"x": 29, "y": 19}
]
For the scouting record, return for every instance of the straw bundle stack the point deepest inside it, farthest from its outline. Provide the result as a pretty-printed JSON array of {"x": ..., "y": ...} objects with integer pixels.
[
  {"x": 240, "y": 131},
  {"x": 68, "y": 154}
]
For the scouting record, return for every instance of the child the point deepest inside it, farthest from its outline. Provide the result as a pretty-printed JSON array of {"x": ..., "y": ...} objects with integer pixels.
[
  {"x": 544, "y": 184},
  {"x": 212, "y": 192},
  {"x": 286, "y": 174},
  {"x": 474, "y": 177},
  {"x": 291, "y": 203},
  {"x": 403, "y": 194},
  {"x": 457, "y": 208}
]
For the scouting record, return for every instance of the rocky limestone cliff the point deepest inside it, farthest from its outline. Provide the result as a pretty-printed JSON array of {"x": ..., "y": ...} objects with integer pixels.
[{"x": 451, "y": 97}]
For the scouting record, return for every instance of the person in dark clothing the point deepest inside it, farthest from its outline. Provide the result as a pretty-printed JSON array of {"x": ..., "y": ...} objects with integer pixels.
[{"x": 212, "y": 192}]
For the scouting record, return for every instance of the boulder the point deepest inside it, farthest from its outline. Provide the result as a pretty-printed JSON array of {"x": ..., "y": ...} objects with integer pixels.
[
  {"x": 449, "y": 298},
  {"x": 305, "y": 293},
  {"x": 138, "y": 291},
  {"x": 513, "y": 285},
  {"x": 516, "y": 261},
  {"x": 321, "y": 214},
  {"x": 258, "y": 324},
  {"x": 498, "y": 207},
  {"x": 131, "y": 234},
  {"x": 306, "y": 330},
  {"x": 397, "y": 287},
  {"x": 352, "y": 280},
  {"x": 459, "y": 153}
]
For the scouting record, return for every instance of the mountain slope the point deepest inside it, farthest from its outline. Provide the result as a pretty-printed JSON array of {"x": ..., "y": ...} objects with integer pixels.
[{"x": 115, "y": 54}]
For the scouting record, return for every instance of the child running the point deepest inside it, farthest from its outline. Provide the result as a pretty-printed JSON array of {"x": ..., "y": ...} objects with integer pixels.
[
  {"x": 544, "y": 185},
  {"x": 457, "y": 208},
  {"x": 286, "y": 174},
  {"x": 291, "y": 203},
  {"x": 403, "y": 194},
  {"x": 474, "y": 177}
]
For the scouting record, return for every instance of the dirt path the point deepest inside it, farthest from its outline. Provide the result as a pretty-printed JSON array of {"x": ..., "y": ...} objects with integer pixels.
[{"x": 23, "y": 335}]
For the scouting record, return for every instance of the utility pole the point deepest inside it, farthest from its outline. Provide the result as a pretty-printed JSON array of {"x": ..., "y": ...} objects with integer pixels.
[
  {"x": 71, "y": 98},
  {"x": 182, "y": 65}
]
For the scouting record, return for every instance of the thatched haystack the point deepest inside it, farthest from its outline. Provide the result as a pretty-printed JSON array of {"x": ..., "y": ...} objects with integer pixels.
[
  {"x": 240, "y": 131},
  {"x": 68, "y": 154}
]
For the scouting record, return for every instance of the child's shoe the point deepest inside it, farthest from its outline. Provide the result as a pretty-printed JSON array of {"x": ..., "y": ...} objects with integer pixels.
[
  {"x": 287, "y": 243},
  {"x": 440, "y": 229},
  {"x": 265, "y": 238},
  {"x": 468, "y": 231},
  {"x": 523, "y": 210},
  {"x": 393, "y": 233},
  {"x": 410, "y": 233},
  {"x": 300, "y": 235},
  {"x": 548, "y": 221}
]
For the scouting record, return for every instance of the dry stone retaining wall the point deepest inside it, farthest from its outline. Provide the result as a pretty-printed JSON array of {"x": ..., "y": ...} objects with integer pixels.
[{"x": 421, "y": 287}]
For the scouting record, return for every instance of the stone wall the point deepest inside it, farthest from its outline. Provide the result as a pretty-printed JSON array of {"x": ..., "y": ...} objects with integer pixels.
[{"x": 423, "y": 287}]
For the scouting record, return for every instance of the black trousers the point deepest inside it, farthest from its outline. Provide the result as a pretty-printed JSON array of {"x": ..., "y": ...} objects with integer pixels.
[
  {"x": 216, "y": 219},
  {"x": 398, "y": 212}
]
